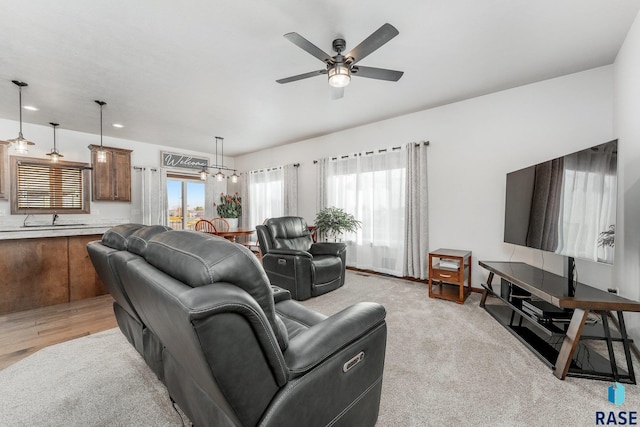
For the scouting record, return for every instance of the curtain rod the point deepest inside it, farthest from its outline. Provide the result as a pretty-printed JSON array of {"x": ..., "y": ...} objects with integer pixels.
[
  {"x": 295, "y": 165},
  {"x": 382, "y": 150}
]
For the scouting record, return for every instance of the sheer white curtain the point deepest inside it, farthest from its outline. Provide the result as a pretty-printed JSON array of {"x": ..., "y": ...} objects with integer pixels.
[
  {"x": 372, "y": 188},
  {"x": 588, "y": 202},
  {"x": 148, "y": 201},
  {"x": 266, "y": 195}
]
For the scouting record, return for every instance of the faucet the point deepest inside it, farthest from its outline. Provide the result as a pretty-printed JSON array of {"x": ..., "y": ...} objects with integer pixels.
[{"x": 55, "y": 216}]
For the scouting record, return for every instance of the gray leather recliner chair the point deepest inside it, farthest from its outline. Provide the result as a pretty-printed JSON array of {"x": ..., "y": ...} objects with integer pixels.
[
  {"x": 293, "y": 262},
  {"x": 231, "y": 349}
]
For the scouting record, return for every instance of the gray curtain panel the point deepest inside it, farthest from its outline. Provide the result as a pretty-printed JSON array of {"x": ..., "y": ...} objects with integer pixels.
[
  {"x": 321, "y": 184},
  {"x": 246, "y": 207},
  {"x": 290, "y": 198},
  {"x": 545, "y": 206},
  {"x": 416, "y": 213}
]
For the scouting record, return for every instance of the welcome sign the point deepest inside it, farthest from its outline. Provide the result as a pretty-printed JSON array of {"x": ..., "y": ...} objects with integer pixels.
[{"x": 173, "y": 160}]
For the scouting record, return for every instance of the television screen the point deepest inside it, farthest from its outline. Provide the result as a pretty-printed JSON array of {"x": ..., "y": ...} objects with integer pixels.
[{"x": 566, "y": 205}]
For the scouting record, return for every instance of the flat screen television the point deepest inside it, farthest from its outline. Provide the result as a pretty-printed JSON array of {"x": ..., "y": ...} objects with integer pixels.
[{"x": 566, "y": 205}]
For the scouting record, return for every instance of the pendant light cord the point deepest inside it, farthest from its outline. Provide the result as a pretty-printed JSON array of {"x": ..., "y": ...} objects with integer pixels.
[
  {"x": 101, "y": 125},
  {"x": 20, "y": 97}
]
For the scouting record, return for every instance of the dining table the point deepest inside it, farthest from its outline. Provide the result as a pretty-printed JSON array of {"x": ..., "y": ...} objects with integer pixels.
[{"x": 232, "y": 233}]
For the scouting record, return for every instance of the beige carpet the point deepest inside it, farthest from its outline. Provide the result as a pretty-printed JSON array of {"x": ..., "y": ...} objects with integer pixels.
[{"x": 446, "y": 365}]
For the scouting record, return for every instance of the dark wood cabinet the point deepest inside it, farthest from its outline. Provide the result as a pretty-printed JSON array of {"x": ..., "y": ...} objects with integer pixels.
[
  {"x": 111, "y": 180},
  {"x": 40, "y": 272}
]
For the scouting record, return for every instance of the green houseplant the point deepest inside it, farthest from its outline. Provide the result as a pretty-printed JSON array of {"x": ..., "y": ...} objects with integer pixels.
[
  {"x": 230, "y": 206},
  {"x": 333, "y": 222}
]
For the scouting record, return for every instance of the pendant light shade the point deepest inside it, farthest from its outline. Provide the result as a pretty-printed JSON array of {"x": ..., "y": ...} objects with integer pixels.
[
  {"x": 203, "y": 174},
  {"x": 101, "y": 155},
  {"x": 21, "y": 144},
  {"x": 219, "y": 176},
  {"x": 234, "y": 177},
  {"x": 54, "y": 155}
]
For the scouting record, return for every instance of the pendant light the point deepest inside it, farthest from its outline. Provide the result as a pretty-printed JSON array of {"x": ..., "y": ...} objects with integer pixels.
[
  {"x": 54, "y": 155},
  {"x": 220, "y": 166},
  {"x": 20, "y": 143},
  {"x": 219, "y": 176},
  {"x": 102, "y": 155}
]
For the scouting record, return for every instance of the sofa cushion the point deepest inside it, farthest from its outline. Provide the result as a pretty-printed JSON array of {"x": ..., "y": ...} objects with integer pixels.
[
  {"x": 118, "y": 237},
  {"x": 326, "y": 268},
  {"x": 140, "y": 238},
  {"x": 289, "y": 233}
]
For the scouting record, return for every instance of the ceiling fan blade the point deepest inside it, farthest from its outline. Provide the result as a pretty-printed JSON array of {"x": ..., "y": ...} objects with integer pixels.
[
  {"x": 301, "y": 76},
  {"x": 373, "y": 42},
  {"x": 337, "y": 92},
  {"x": 377, "y": 73},
  {"x": 311, "y": 48}
]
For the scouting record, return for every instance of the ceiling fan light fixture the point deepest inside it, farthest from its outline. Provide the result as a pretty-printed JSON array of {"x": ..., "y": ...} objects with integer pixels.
[{"x": 339, "y": 75}]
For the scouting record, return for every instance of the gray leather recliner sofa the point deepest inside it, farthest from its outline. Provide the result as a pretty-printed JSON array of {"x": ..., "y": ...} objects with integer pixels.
[{"x": 231, "y": 349}]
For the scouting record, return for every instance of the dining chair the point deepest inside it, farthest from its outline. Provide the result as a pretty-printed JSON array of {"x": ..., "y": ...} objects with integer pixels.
[
  {"x": 205, "y": 226},
  {"x": 220, "y": 224},
  {"x": 254, "y": 245}
]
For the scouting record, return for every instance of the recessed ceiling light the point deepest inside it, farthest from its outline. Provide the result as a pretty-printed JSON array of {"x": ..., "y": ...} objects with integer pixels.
[
  {"x": 117, "y": 125},
  {"x": 30, "y": 108}
]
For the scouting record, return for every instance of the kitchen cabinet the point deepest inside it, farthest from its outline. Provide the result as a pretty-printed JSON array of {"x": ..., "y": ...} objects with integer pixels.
[
  {"x": 46, "y": 271},
  {"x": 111, "y": 180}
]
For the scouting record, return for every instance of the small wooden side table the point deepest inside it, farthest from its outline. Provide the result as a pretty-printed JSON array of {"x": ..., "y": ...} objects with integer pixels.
[{"x": 449, "y": 269}]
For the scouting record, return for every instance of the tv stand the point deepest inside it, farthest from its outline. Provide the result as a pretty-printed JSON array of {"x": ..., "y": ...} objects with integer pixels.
[{"x": 560, "y": 338}]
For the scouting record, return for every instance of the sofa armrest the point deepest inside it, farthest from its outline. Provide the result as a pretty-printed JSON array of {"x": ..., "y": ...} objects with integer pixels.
[
  {"x": 289, "y": 252},
  {"x": 311, "y": 347},
  {"x": 328, "y": 248}
]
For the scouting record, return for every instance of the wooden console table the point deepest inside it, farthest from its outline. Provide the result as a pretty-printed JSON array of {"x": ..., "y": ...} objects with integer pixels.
[{"x": 560, "y": 343}]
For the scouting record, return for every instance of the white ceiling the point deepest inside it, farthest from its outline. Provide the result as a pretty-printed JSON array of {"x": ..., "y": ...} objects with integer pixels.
[{"x": 178, "y": 73}]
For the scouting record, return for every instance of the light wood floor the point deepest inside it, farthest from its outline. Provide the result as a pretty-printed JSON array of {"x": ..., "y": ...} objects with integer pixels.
[{"x": 26, "y": 332}]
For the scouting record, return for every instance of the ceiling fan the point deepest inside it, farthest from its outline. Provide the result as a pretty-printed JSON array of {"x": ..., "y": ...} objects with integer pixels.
[{"x": 339, "y": 67}]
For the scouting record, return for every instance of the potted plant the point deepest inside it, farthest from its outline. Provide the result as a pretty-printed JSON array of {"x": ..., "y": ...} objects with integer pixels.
[
  {"x": 229, "y": 208},
  {"x": 333, "y": 222}
]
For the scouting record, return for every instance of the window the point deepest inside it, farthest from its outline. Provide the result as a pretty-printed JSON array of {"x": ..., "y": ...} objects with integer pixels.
[
  {"x": 43, "y": 187},
  {"x": 372, "y": 189},
  {"x": 185, "y": 194}
]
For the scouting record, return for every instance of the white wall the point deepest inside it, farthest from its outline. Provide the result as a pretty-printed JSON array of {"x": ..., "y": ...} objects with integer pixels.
[
  {"x": 627, "y": 127},
  {"x": 473, "y": 144},
  {"x": 73, "y": 145}
]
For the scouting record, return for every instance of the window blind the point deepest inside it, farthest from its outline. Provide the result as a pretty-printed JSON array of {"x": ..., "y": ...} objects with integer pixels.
[{"x": 47, "y": 186}]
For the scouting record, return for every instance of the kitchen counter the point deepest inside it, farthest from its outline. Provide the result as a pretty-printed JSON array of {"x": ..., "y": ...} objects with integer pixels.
[{"x": 59, "y": 230}]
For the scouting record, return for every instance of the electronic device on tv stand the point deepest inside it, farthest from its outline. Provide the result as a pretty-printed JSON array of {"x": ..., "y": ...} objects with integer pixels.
[{"x": 544, "y": 206}]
